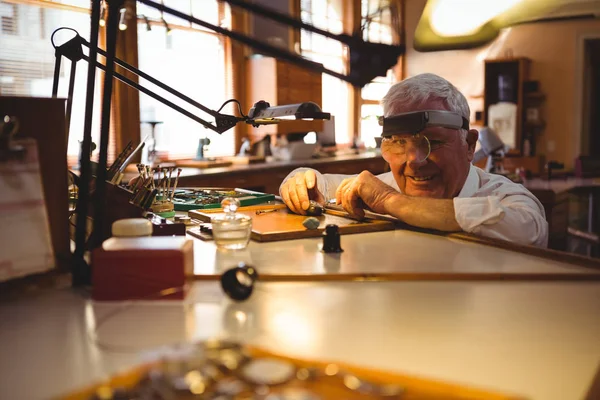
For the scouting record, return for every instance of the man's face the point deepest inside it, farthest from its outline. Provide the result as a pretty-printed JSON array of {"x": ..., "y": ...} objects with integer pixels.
[{"x": 443, "y": 174}]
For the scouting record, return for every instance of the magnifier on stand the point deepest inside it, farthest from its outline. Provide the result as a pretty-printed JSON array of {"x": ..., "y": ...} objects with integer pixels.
[
  {"x": 202, "y": 147},
  {"x": 151, "y": 143},
  {"x": 492, "y": 147}
]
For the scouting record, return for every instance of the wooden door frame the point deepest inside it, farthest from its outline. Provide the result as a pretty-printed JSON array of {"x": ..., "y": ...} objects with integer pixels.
[{"x": 580, "y": 138}]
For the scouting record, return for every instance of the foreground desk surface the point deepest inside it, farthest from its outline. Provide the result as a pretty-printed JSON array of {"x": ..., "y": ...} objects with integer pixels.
[
  {"x": 539, "y": 340},
  {"x": 395, "y": 252}
]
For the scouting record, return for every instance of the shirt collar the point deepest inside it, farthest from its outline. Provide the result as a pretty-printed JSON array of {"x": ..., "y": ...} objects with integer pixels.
[{"x": 471, "y": 183}]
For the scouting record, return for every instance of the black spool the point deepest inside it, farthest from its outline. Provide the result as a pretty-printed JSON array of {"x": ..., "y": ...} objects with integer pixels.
[{"x": 331, "y": 239}]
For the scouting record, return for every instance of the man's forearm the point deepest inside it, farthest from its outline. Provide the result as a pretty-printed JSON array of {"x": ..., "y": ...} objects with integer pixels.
[{"x": 423, "y": 212}]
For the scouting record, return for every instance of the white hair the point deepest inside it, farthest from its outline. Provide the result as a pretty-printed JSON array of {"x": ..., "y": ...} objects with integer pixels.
[{"x": 419, "y": 89}]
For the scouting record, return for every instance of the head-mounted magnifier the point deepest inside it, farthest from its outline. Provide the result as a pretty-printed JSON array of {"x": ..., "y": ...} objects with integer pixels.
[
  {"x": 402, "y": 137},
  {"x": 416, "y": 121}
]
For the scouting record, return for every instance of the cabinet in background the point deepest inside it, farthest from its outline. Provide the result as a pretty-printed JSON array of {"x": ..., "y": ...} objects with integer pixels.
[{"x": 504, "y": 99}]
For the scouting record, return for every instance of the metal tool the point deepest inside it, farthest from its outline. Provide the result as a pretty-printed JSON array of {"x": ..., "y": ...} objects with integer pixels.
[
  {"x": 314, "y": 209},
  {"x": 260, "y": 212}
]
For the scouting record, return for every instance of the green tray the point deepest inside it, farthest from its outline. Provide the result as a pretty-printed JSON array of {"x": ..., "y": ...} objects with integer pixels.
[{"x": 211, "y": 198}]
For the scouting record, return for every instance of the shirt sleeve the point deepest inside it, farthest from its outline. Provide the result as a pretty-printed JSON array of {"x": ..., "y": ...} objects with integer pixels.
[{"x": 516, "y": 216}]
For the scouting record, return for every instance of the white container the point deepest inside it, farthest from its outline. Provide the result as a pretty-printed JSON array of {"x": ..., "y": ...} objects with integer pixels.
[
  {"x": 132, "y": 227},
  {"x": 502, "y": 118}
]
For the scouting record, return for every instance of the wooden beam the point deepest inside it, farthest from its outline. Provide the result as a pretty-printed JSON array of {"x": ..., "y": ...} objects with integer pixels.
[
  {"x": 352, "y": 20},
  {"x": 236, "y": 58},
  {"x": 126, "y": 100}
]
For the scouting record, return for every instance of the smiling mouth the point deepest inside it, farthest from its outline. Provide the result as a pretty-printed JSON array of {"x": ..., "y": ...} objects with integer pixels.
[{"x": 421, "y": 178}]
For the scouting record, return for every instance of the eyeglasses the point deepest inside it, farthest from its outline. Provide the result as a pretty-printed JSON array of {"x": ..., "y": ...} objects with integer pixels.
[{"x": 407, "y": 147}]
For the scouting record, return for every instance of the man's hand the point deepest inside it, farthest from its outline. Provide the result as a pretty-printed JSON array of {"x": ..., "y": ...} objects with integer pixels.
[
  {"x": 364, "y": 191},
  {"x": 297, "y": 191}
]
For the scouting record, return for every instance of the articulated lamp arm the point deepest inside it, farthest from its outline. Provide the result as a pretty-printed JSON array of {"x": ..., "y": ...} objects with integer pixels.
[
  {"x": 367, "y": 60},
  {"x": 73, "y": 50}
]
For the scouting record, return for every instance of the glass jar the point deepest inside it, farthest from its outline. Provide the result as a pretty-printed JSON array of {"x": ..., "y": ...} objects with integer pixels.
[{"x": 231, "y": 231}]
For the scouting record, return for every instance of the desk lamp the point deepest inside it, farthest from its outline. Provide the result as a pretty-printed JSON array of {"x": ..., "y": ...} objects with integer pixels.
[
  {"x": 367, "y": 60},
  {"x": 262, "y": 113},
  {"x": 73, "y": 50}
]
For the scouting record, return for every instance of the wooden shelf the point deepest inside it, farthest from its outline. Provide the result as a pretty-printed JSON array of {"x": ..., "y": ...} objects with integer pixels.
[
  {"x": 535, "y": 95},
  {"x": 535, "y": 125},
  {"x": 505, "y": 60}
]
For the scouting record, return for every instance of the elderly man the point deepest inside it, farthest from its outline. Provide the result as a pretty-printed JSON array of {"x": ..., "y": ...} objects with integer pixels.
[{"x": 432, "y": 184}]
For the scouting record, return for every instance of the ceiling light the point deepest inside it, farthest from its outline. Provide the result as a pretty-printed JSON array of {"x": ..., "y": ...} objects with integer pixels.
[
  {"x": 147, "y": 21},
  {"x": 102, "y": 21},
  {"x": 167, "y": 27},
  {"x": 123, "y": 19},
  {"x": 465, "y": 17}
]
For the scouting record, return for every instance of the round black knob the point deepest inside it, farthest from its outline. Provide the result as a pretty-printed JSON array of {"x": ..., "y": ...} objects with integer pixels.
[
  {"x": 331, "y": 239},
  {"x": 238, "y": 282}
]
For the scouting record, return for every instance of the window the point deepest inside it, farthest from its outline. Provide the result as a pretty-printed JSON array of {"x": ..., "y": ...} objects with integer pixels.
[
  {"x": 376, "y": 23},
  {"x": 328, "y": 15},
  {"x": 27, "y": 58},
  {"x": 191, "y": 60},
  {"x": 379, "y": 20}
]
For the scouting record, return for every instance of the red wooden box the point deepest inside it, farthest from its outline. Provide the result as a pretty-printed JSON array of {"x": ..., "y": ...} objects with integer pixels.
[{"x": 140, "y": 268}]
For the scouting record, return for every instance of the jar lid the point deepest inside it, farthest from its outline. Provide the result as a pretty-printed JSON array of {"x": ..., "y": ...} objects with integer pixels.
[
  {"x": 231, "y": 219},
  {"x": 131, "y": 227},
  {"x": 230, "y": 205}
]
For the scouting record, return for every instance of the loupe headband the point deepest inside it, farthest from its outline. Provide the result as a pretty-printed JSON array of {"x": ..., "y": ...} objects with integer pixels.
[{"x": 416, "y": 121}]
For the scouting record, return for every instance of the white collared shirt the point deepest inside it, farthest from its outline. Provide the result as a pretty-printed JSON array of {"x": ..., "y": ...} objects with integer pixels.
[{"x": 489, "y": 205}]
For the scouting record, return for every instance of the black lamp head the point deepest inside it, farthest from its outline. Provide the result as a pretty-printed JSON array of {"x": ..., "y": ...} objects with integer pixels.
[
  {"x": 310, "y": 110},
  {"x": 238, "y": 282},
  {"x": 263, "y": 114},
  {"x": 258, "y": 108},
  {"x": 370, "y": 60},
  {"x": 72, "y": 48}
]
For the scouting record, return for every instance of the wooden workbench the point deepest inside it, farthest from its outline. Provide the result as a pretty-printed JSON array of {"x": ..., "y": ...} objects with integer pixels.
[{"x": 401, "y": 254}]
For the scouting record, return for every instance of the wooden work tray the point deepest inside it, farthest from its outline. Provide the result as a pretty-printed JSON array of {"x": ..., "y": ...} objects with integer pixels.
[
  {"x": 323, "y": 386},
  {"x": 245, "y": 198},
  {"x": 282, "y": 224}
]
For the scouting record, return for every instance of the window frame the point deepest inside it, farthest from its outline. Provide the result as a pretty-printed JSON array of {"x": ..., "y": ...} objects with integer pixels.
[
  {"x": 43, "y": 5},
  {"x": 232, "y": 83},
  {"x": 352, "y": 20},
  {"x": 125, "y": 109}
]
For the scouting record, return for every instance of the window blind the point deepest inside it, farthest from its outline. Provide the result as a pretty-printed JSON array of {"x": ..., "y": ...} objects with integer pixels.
[
  {"x": 27, "y": 59},
  {"x": 193, "y": 61}
]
